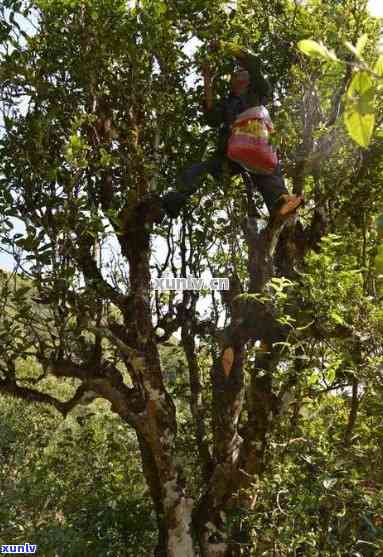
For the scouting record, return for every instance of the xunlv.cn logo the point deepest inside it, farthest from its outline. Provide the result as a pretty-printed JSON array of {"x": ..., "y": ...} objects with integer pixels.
[
  {"x": 189, "y": 283},
  {"x": 21, "y": 548}
]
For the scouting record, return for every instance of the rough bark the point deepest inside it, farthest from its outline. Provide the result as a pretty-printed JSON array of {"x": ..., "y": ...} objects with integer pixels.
[
  {"x": 156, "y": 426},
  {"x": 196, "y": 403},
  {"x": 353, "y": 412}
]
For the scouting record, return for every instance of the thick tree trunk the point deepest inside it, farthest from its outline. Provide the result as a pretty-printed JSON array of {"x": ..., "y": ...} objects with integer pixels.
[
  {"x": 156, "y": 430},
  {"x": 238, "y": 454},
  {"x": 173, "y": 508},
  {"x": 152, "y": 479},
  {"x": 180, "y": 542},
  {"x": 156, "y": 425}
]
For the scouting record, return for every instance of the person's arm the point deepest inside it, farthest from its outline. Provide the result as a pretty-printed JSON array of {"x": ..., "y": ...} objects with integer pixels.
[
  {"x": 253, "y": 65},
  {"x": 213, "y": 111}
]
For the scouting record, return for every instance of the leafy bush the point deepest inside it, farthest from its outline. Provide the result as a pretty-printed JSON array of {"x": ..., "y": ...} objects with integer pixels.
[{"x": 73, "y": 487}]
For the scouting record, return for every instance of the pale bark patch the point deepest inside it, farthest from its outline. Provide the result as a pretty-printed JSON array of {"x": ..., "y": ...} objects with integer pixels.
[
  {"x": 213, "y": 549},
  {"x": 154, "y": 394},
  {"x": 217, "y": 550},
  {"x": 180, "y": 542}
]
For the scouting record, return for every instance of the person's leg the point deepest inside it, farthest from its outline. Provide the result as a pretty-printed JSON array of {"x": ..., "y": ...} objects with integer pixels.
[
  {"x": 189, "y": 182},
  {"x": 272, "y": 187},
  {"x": 275, "y": 194}
]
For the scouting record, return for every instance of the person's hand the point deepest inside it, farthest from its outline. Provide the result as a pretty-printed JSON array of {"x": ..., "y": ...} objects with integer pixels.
[{"x": 215, "y": 44}]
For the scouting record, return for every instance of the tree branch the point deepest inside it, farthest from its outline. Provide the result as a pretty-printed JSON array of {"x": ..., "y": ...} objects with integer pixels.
[
  {"x": 31, "y": 395},
  {"x": 196, "y": 402}
]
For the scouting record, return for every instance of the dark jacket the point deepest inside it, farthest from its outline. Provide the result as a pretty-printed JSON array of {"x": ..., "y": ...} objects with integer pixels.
[{"x": 224, "y": 112}]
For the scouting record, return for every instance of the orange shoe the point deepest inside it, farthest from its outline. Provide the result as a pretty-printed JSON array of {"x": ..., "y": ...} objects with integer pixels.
[{"x": 287, "y": 206}]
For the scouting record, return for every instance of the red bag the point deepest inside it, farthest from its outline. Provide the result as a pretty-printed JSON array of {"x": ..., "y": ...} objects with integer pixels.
[{"x": 248, "y": 143}]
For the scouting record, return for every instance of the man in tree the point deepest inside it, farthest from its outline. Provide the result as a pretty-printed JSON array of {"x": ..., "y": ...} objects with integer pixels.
[{"x": 249, "y": 88}]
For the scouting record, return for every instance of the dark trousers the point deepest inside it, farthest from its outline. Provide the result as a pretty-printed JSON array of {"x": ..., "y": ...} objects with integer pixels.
[{"x": 271, "y": 186}]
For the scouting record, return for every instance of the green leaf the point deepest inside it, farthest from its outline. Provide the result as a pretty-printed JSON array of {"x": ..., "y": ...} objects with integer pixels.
[
  {"x": 20, "y": 293},
  {"x": 360, "y": 45},
  {"x": 329, "y": 483},
  {"x": 337, "y": 318},
  {"x": 378, "y": 67},
  {"x": 317, "y": 50},
  {"x": 379, "y": 264},
  {"x": 313, "y": 378},
  {"x": 359, "y": 116},
  {"x": 160, "y": 8},
  {"x": 352, "y": 48},
  {"x": 360, "y": 126},
  {"x": 330, "y": 376},
  {"x": 361, "y": 84},
  {"x": 28, "y": 243}
]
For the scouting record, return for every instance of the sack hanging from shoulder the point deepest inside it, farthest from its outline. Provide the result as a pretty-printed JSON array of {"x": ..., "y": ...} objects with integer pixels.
[{"x": 248, "y": 143}]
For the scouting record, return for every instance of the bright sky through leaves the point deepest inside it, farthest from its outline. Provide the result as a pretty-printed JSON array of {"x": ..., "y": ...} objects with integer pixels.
[{"x": 376, "y": 8}]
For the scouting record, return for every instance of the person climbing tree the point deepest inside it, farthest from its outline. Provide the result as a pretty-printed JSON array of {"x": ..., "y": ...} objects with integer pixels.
[{"x": 248, "y": 88}]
